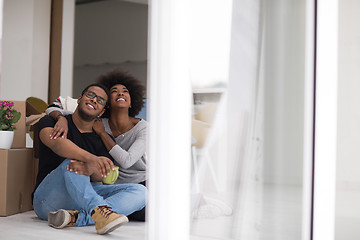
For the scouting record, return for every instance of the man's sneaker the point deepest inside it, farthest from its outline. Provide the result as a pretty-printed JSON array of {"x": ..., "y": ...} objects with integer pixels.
[
  {"x": 62, "y": 218},
  {"x": 107, "y": 220}
]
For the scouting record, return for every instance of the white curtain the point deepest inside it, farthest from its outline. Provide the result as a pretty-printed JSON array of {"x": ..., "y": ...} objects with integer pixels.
[
  {"x": 232, "y": 160},
  {"x": 245, "y": 117},
  {"x": 256, "y": 141}
]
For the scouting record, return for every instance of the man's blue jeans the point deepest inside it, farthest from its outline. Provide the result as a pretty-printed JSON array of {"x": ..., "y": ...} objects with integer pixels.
[{"x": 62, "y": 189}]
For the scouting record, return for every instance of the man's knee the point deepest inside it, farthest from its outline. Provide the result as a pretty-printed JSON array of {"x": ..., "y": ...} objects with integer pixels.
[
  {"x": 64, "y": 164},
  {"x": 141, "y": 191},
  {"x": 140, "y": 188}
]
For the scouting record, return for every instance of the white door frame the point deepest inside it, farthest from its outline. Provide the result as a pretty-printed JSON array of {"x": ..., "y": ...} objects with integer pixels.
[{"x": 325, "y": 119}]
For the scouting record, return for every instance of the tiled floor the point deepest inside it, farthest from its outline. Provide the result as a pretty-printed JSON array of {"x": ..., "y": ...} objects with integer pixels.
[
  {"x": 277, "y": 203},
  {"x": 280, "y": 220},
  {"x": 26, "y": 226},
  {"x": 347, "y": 220}
]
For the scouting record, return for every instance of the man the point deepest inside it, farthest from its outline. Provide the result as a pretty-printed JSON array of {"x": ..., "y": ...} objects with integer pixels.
[{"x": 68, "y": 190}]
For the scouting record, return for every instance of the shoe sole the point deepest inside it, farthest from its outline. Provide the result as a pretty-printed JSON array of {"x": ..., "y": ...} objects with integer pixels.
[
  {"x": 58, "y": 219},
  {"x": 113, "y": 225}
]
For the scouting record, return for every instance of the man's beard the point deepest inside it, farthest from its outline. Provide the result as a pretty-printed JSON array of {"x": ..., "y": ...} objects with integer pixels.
[{"x": 86, "y": 117}]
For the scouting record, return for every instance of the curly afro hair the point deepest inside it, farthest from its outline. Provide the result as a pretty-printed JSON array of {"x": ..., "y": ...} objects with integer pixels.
[{"x": 135, "y": 87}]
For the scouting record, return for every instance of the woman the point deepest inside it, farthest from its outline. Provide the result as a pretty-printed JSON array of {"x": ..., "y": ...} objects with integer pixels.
[{"x": 123, "y": 134}]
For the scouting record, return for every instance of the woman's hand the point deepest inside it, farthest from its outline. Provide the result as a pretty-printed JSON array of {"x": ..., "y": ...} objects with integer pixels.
[
  {"x": 60, "y": 129},
  {"x": 99, "y": 127}
]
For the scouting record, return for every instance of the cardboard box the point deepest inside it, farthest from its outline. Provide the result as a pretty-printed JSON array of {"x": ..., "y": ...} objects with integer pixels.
[
  {"x": 20, "y": 132},
  {"x": 17, "y": 180}
]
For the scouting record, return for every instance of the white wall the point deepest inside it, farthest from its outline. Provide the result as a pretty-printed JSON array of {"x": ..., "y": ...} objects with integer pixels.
[
  {"x": 348, "y": 163},
  {"x": 109, "y": 34},
  {"x": 25, "y": 49},
  {"x": 67, "y": 48},
  {"x": 347, "y": 209}
]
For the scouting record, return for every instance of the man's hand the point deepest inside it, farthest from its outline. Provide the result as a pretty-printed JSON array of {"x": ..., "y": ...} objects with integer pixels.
[
  {"x": 104, "y": 164},
  {"x": 60, "y": 129},
  {"x": 100, "y": 165},
  {"x": 81, "y": 168},
  {"x": 88, "y": 169}
]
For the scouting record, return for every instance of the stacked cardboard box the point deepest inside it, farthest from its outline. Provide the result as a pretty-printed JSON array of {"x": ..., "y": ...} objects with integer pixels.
[{"x": 17, "y": 170}]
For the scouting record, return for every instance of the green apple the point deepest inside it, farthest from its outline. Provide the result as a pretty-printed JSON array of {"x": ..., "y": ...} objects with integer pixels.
[{"x": 111, "y": 178}]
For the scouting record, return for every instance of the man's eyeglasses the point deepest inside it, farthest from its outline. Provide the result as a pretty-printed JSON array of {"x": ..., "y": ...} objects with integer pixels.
[{"x": 92, "y": 95}]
